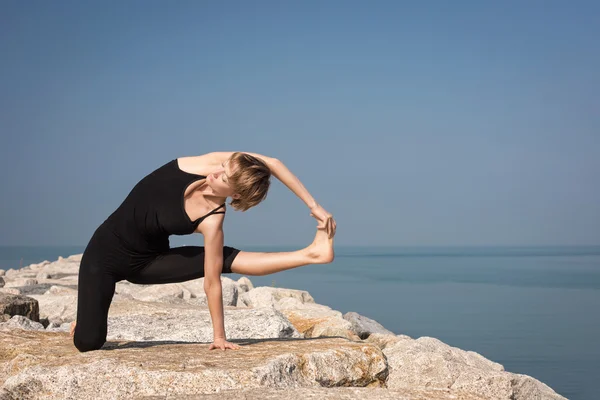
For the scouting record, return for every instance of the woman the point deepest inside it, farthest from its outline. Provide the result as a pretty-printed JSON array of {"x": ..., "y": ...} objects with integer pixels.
[{"x": 184, "y": 196}]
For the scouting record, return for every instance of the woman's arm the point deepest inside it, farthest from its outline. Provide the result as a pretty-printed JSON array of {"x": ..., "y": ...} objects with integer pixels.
[
  {"x": 281, "y": 172},
  {"x": 212, "y": 229}
]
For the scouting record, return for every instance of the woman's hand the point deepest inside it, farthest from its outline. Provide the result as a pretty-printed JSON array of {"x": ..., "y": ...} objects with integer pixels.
[
  {"x": 325, "y": 219},
  {"x": 223, "y": 344}
]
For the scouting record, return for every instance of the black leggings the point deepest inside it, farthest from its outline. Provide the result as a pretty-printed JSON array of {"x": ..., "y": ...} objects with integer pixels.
[{"x": 106, "y": 261}]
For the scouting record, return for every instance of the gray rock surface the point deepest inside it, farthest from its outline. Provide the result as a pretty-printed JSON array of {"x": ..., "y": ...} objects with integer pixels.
[
  {"x": 364, "y": 326},
  {"x": 45, "y": 364},
  {"x": 338, "y": 393},
  {"x": 428, "y": 362},
  {"x": 158, "y": 337},
  {"x": 136, "y": 320},
  {"x": 19, "y": 321},
  {"x": 265, "y": 296}
]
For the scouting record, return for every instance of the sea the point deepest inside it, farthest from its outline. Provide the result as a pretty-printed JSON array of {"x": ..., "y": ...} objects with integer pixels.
[{"x": 535, "y": 310}]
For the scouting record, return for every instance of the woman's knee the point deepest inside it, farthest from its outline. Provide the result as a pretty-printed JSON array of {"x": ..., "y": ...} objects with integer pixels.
[{"x": 88, "y": 343}]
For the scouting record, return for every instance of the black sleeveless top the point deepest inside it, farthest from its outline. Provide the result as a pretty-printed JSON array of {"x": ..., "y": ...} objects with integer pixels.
[{"x": 154, "y": 210}]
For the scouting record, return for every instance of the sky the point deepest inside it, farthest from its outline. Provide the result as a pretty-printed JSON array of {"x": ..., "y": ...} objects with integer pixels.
[{"x": 415, "y": 123}]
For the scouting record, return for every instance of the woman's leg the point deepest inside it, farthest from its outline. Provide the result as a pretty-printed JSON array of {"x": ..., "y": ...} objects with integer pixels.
[
  {"x": 182, "y": 264},
  {"x": 94, "y": 294},
  {"x": 251, "y": 263}
]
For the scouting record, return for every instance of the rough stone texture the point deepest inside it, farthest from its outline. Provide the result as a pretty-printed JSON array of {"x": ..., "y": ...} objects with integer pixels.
[
  {"x": 10, "y": 290},
  {"x": 1, "y": 281},
  {"x": 19, "y": 305},
  {"x": 2, "y": 272},
  {"x": 306, "y": 319},
  {"x": 428, "y": 362},
  {"x": 43, "y": 276},
  {"x": 244, "y": 284},
  {"x": 19, "y": 321},
  {"x": 46, "y": 364},
  {"x": 338, "y": 393},
  {"x": 11, "y": 273},
  {"x": 172, "y": 328},
  {"x": 191, "y": 291},
  {"x": 364, "y": 326},
  {"x": 136, "y": 320},
  {"x": 21, "y": 282},
  {"x": 61, "y": 290},
  {"x": 63, "y": 307},
  {"x": 29, "y": 290},
  {"x": 267, "y": 296},
  {"x": 332, "y": 327}
]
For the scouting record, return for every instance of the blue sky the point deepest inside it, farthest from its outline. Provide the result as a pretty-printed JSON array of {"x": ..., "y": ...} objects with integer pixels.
[{"x": 414, "y": 123}]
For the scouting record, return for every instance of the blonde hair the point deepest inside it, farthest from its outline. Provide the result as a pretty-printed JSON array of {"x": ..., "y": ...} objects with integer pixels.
[{"x": 250, "y": 179}]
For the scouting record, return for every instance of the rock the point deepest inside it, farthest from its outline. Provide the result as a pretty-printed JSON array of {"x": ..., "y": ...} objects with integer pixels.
[
  {"x": 364, "y": 326},
  {"x": 382, "y": 341},
  {"x": 19, "y": 321},
  {"x": 136, "y": 320},
  {"x": 159, "y": 292},
  {"x": 19, "y": 305},
  {"x": 292, "y": 303},
  {"x": 2, "y": 272},
  {"x": 20, "y": 282},
  {"x": 57, "y": 327},
  {"x": 32, "y": 289},
  {"x": 332, "y": 327},
  {"x": 244, "y": 284},
  {"x": 43, "y": 276},
  {"x": 61, "y": 290},
  {"x": 51, "y": 306},
  {"x": 1, "y": 282},
  {"x": 265, "y": 296},
  {"x": 46, "y": 364},
  {"x": 305, "y": 318},
  {"x": 428, "y": 362},
  {"x": 11, "y": 273},
  {"x": 337, "y": 393},
  {"x": 10, "y": 290},
  {"x": 4, "y": 317},
  {"x": 229, "y": 288}
]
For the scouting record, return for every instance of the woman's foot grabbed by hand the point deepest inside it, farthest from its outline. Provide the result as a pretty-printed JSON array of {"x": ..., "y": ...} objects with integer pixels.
[
  {"x": 223, "y": 344},
  {"x": 321, "y": 249}
]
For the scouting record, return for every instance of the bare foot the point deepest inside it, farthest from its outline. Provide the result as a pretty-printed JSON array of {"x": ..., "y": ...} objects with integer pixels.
[
  {"x": 321, "y": 249},
  {"x": 73, "y": 324}
]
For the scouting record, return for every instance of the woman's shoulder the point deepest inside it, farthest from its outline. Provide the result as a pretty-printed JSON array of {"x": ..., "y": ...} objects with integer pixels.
[{"x": 200, "y": 165}]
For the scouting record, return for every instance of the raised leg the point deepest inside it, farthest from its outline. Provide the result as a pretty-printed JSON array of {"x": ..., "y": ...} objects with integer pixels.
[{"x": 263, "y": 263}]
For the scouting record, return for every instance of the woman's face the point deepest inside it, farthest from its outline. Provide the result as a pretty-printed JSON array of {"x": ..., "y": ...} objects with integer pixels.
[{"x": 219, "y": 180}]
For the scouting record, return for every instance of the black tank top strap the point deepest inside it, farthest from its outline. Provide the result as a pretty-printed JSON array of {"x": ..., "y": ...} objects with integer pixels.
[{"x": 211, "y": 213}]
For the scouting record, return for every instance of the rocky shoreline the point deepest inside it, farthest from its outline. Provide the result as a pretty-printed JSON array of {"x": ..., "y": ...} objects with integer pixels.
[{"x": 290, "y": 347}]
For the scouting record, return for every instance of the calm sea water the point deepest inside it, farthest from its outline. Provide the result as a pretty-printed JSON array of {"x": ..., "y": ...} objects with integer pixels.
[{"x": 532, "y": 309}]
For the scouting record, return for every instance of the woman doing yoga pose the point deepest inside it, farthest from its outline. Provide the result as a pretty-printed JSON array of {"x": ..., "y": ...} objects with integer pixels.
[{"x": 187, "y": 195}]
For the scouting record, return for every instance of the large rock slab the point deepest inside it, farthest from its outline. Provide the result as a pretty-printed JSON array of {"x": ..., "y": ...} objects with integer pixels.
[
  {"x": 137, "y": 320},
  {"x": 428, "y": 362},
  {"x": 47, "y": 365},
  {"x": 338, "y": 393},
  {"x": 14, "y": 304}
]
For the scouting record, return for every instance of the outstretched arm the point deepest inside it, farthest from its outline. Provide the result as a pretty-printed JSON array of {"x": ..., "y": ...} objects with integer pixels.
[
  {"x": 212, "y": 229},
  {"x": 281, "y": 172}
]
